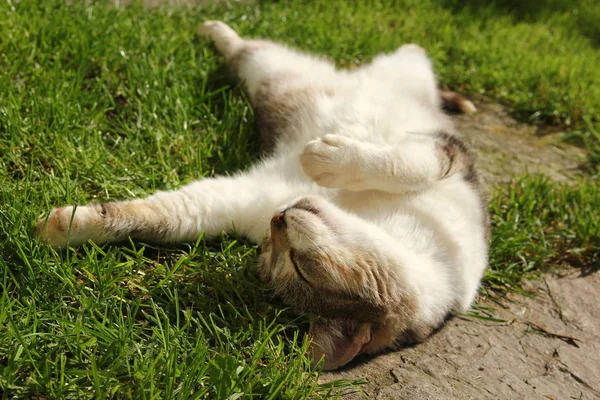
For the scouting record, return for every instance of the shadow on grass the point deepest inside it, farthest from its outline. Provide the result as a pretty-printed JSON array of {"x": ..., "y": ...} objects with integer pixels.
[
  {"x": 220, "y": 85},
  {"x": 217, "y": 278},
  {"x": 588, "y": 263}
]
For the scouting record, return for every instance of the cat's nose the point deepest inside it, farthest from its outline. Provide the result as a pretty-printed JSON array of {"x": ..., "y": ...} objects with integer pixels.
[{"x": 278, "y": 221}]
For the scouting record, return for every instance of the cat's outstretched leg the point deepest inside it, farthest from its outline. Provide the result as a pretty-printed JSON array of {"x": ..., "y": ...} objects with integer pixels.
[
  {"x": 226, "y": 40},
  {"x": 337, "y": 161},
  {"x": 211, "y": 205},
  {"x": 259, "y": 61},
  {"x": 410, "y": 71},
  {"x": 284, "y": 85}
]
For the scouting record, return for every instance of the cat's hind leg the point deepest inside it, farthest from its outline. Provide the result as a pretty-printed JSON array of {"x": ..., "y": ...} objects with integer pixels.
[
  {"x": 257, "y": 61},
  {"x": 284, "y": 85},
  {"x": 409, "y": 71},
  {"x": 226, "y": 40}
]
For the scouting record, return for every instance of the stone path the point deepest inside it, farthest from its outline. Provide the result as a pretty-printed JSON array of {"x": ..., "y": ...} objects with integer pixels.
[{"x": 547, "y": 348}]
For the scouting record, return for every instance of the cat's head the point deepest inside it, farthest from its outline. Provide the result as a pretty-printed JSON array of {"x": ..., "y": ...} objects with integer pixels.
[{"x": 318, "y": 259}]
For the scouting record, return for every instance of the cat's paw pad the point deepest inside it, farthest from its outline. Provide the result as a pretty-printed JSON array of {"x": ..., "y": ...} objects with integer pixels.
[
  {"x": 331, "y": 161},
  {"x": 69, "y": 226}
]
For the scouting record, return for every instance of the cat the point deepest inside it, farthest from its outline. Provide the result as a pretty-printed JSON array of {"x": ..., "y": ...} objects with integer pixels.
[{"x": 367, "y": 207}]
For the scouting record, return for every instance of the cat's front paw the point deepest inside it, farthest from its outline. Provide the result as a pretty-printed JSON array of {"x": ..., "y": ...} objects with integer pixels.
[
  {"x": 333, "y": 161},
  {"x": 70, "y": 225}
]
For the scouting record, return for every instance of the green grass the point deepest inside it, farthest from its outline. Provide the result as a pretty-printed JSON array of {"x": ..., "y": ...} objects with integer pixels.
[
  {"x": 540, "y": 226},
  {"x": 105, "y": 103}
]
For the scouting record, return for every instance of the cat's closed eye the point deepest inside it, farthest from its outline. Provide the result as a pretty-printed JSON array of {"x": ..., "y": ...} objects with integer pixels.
[{"x": 295, "y": 264}]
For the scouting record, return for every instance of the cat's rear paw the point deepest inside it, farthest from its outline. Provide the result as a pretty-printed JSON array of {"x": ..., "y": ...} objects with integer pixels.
[
  {"x": 69, "y": 226},
  {"x": 210, "y": 28},
  {"x": 226, "y": 39}
]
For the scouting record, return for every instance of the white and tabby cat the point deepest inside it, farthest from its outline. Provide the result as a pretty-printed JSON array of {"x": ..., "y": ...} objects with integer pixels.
[{"x": 367, "y": 207}]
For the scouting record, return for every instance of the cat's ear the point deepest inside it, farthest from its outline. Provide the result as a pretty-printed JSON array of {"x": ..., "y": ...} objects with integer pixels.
[{"x": 339, "y": 341}]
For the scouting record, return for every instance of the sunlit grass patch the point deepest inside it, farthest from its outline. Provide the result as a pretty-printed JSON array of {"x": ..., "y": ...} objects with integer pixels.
[{"x": 105, "y": 103}]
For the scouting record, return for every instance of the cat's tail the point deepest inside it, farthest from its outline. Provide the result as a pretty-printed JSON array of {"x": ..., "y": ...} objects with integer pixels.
[{"x": 454, "y": 102}]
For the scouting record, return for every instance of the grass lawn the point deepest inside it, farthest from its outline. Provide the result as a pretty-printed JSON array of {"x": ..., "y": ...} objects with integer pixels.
[{"x": 105, "y": 103}]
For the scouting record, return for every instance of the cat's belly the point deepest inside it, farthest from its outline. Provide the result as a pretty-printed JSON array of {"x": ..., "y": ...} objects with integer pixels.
[
  {"x": 364, "y": 114},
  {"x": 444, "y": 226},
  {"x": 449, "y": 218}
]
